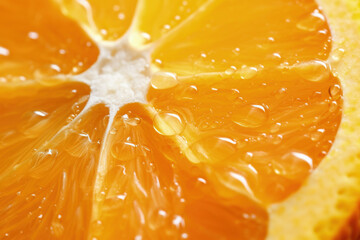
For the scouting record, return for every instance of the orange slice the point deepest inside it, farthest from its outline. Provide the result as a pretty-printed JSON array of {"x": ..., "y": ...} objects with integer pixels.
[
  {"x": 158, "y": 119},
  {"x": 38, "y": 41}
]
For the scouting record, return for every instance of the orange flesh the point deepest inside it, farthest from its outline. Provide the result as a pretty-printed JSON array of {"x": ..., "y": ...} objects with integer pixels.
[
  {"x": 244, "y": 84},
  {"x": 31, "y": 48}
]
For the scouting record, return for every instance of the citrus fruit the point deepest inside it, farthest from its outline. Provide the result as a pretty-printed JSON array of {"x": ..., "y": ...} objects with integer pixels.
[{"x": 159, "y": 119}]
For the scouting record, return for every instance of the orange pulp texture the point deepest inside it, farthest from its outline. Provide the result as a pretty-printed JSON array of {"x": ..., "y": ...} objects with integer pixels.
[{"x": 245, "y": 84}]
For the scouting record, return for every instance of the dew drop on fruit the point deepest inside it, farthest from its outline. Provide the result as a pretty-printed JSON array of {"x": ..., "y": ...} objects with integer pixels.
[
  {"x": 275, "y": 128},
  {"x": 123, "y": 151},
  {"x": 33, "y": 122},
  {"x": 250, "y": 116},
  {"x": 189, "y": 92},
  {"x": 146, "y": 37},
  {"x": 213, "y": 148},
  {"x": 230, "y": 71},
  {"x": 246, "y": 72},
  {"x": 132, "y": 121},
  {"x": 335, "y": 91},
  {"x": 164, "y": 80},
  {"x": 337, "y": 54},
  {"x": 275, "y": 139},
  {"x": 294, "y": 165},
  {"x": 333, "y": 106},
  {"x": 316, "y": 135},
  {"x": 314, "y": 71},
  {"x": 4, "y": 51},
  {"x": 157, "y": 219},
  {"x": 311, "y": 23},
  {"x": 168, "y": 123},
  {"x": 33, "y": 35},
  {"x": 57, "y": 229}
]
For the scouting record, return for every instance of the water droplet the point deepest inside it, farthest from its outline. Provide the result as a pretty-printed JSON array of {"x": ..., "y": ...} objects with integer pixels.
[
  {"x": 250, "y": 116},
  {"x": 189, "y": 92},
  {"x": 337, "y": 54},
  {"x": 248, "y": 156},
  {"x": 213, "y": 148},
  {"x": 97, "y": 227},
  {"x": 275, "y": 139},
  {"x": 103, "y": 32},
  {"x": 230, "y": 70},
  {"x": 311, "y": 23},
  {"x": 4, "y": 51},
  {"x": 246, "y": 72},
  {"x": 280, "y": 93},
  {"x": 168, "y": 124},
  {"x": 121, "y": 16},
  {"x": 33, "y": 122},
  {"x": 335, "y": 91},
  {"x": 178, "y": 221},
  {"x": 164, "y": 80},
  {"x": 275, "y": 128},
  {"x": 276, "y": 56},
  {"x": 315, "y": 136},
  {"x": 314, "y": 71},
  {"x": 33, "y": 35},
  {"x": 294, "y": 165},
  {"x": 157, "y": 219},
  {"x": 57, "y": 229},
  {"x": 158, "y": 63},
  {"x": 201, "y": 180},
  {"x": 333, "y": 106},
  {"x": 124, "y": 151},
  {"x": 146, "y": 38},
  {"x": 132, "y": 121},
  {"x": 233, "y": 94},
  {"x": 236, "y": 51},
  {"x": 184, "y": 236}
]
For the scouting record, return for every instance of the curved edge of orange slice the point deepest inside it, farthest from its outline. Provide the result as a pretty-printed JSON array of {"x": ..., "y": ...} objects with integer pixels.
[{"x": 327, "y": 206}]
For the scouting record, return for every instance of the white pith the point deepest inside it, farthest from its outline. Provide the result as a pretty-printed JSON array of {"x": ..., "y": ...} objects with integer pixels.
[{"x": 121, "y": 75}]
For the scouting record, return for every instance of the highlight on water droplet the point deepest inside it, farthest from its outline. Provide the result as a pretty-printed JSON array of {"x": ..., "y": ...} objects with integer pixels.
[
  {"x": 246, "y": 72},
  {"x": 311, "y": 23},
  {"x": 275, "y": 139},
  {"x": 164, "y": 80},
  {"x": 4, "y": 51},
  {"x": 168, "y": 123},
  {"x": 250, "y": 116},
  {"x": 213, "y": 148},
  {"x": 314, "y": 71},
  {"x": 337, "y": 54},
  {"x": 295, "y": 165},
  {"x": 123, "y": 150},
  {"x": 316, "y": 135},
  {"x": 335, "y": 91},
  {"x": 189, "y": 92},
  {"x": 146, "y": 37},
  {"x": 333, "y": 106},
  {"x": 275, "y": 128},
  {"x": 231, "y": 70},
  {"x": 132, "y": 121}
]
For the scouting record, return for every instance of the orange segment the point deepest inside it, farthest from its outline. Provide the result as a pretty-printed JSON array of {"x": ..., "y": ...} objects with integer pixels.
[
  {"x": 158, "y": 17},
  {"x": 243, "y": 105},
  {"x": 252, "y": 134},
  {"x": 149, "y": 190},
  {"x": 230, "y": 34},
  {"x": 110, "y": 18},
  {"x": 30, "y": 47},
  {"x": 31, "y": 115},
  {"x": 50, "y": 198}
]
